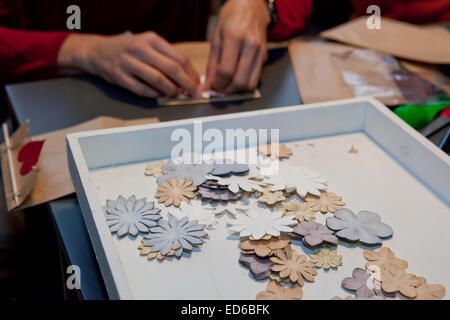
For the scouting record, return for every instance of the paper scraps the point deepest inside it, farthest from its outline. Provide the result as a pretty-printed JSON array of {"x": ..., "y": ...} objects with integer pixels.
[
  {"x": 365, "y": 227},
  {"x": 326, "y": 259},
  {"x": 260, "y": 222},
  {"x": 130, "y": 216},
  {"x": 166, "y": 234},
  {"x": 298, "y": 179},
  {"x": 275, "y": 151},
  {"x": 314, "y": 234},
  {"x": 291, "y": 265},
  {"x": 353, "y": 150},
  {"x": 326, "y": 202},
  {"x": 175, "y": 191},
  {"x": 276, "y": 291}
]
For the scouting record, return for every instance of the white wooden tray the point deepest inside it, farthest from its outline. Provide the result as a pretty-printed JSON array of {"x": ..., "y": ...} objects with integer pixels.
[{"x": 397, "y": 173}]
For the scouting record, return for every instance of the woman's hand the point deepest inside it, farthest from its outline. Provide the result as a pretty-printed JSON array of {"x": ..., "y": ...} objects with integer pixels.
[
  {"x": 144, "y": 63},
  {"x": 238, "y": 48}
]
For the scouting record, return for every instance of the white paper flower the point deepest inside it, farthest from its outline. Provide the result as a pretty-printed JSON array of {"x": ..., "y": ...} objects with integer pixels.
[
  {"x": 299, "y": 179},
  {"x": 232, "y": 207},
  {"x": 258, "y": 223},
  {"x": 130, "y": 215},
  {"x": 194, "y": 211},
  {"x": 250, "y": 182}
]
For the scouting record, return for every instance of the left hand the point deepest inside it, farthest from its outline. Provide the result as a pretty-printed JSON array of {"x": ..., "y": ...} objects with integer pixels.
[{"x": 238, "y": 47}]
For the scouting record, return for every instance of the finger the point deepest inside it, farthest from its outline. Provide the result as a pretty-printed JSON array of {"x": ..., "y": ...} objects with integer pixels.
[
  {"x": 173, "y": 53},
  {"x": 228, "y": 59},
  {"x": 213, "y": 60},
  {"x": 151, "y": 76},
  {"x": 169, "y": 67},
  {"x": 135, "y": 86},
  {"x": 242, "y": 75},
  {"x": 257, "y": 67}
]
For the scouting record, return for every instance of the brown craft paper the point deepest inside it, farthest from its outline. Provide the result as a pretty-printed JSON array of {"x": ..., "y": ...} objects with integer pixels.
[
  {"x": 53, "y": 177},
  {"x": 317, "y": 79},
  {"x": 400, "y": 39},
  {"x": 198, "y": 54}
]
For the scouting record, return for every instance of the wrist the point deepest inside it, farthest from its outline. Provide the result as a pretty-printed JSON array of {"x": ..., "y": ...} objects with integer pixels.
[{"x": 76, "y": 50}]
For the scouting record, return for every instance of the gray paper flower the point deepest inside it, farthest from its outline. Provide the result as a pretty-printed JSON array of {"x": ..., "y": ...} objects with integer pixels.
[
  {"x": 365, "y": 227},
  {"x": 195, "y": 172},
  {"x": 131, "y": 216},
  {"x": 260, "y": 268},
  {"x": 218, "y": 194},
  {"x": 362, "y": 283},
  {"x": 179, "y": 232},
  {"x": 314, "y": 233},
  {"x": 229, "y": 168}
]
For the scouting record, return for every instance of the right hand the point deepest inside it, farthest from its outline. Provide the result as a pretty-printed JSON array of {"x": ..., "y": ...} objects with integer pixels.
[{"x": 144, "y": 63}]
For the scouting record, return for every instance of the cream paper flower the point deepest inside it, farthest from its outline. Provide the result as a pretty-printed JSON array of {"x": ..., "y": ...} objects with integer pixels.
[{"x": 194, "y": 211}]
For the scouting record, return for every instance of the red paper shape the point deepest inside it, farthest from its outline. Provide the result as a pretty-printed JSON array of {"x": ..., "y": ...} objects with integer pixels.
[{"x": 29, "y": 155}]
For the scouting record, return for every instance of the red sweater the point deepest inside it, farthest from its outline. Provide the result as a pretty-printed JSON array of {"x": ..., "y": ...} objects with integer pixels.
[{"x": 30, "y": 42}]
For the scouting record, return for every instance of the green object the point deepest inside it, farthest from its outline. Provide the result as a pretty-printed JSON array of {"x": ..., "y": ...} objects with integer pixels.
[{"x": 419, "y": 116}]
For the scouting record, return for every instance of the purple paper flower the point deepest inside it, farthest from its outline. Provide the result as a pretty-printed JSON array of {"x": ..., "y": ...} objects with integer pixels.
[
  {"x": 362, "y": 282},
  {"x": 314, "y": 233},
  {"x": 260, "y": 268}
]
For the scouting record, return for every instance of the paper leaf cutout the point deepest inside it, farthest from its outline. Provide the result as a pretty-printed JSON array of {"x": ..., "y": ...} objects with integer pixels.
[
  {"x": 301, "y": 211},
  {"x": 293, "y": 266},
  {"x": 218, "y": 194},
  {"x": 385, "y": 259},
  {"x": 260, "y": 222},
  {"x": 130, "y": 216},
  {"x": 175, "y": 191},
  {"x": 326, "y": 259},
  {"x": 167, "y": 233},
  {"x": 194, "y": 211},
  {"x": 29, "y": 155},
  {"x": 195, "y": 172},
  {"x": 298, "y": 179},
  {"x": 276, "y": 291},
  {"x": 270, "y": 198},
  {"x": 314, "y": 233},
  {"x": 326, "y": 202},
  {"x": 155, "y": 168},
  {"x": 260, "y": 268},
  {"x": 362, "y": 283},
  {"x": 365, "y": 227},
  {"x": 275, "y": 151},
  {"x": 263, "y": 248},
  {"x": 427, "y": 291},
  {"x": 229, "y": 168},
  {"x": 400, "y": 281}
]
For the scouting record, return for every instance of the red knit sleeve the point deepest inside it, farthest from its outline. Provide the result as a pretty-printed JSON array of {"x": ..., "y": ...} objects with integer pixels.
[
  {"x": 293, "y": 18},
  {"x": 27, "y": 55}
]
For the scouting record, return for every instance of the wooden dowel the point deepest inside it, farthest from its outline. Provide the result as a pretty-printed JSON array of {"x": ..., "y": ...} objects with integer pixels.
[{"x": 11, "y": 164}]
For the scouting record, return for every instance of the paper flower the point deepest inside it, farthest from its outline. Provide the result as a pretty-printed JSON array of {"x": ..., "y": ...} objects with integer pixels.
[
  {"x": 270, "y": 198},
  {"x": 314, "y": 233},
  {"x": 275, "y": 150},
  {"x": 155, "y": 168},
  {"x": 301, "y": 211},
  {"x": 298, "y": 179},
  {"x": 326, "y": 202},
  {"x": 146, "y": 251},
  {"x": 232, "y": 207},
  {"x": 218, "y": 194},
  {"x": 260, "y": 268},
  {"x": 229, "y": 168},
  {"x": 385, "y": 259},
  {"x": 326, "y": 259},
  {"x": 427, "y": 291},
  {"x": 175, "y": 191},
  {"x": 263, "y": 248},
  {"x": 293, "y": 266},
  {"x": 194, "y": 211},
  {"x": 363, "y": 283},
  {"x": 195, "y": 172},
  {"x": 168, "y": 233},
  {"x": 235, "y": 183},
  {"x": 365, "y": 227},
  {"x": 400, "y": 281},
  {"x": 276, "y": 291},
  {"x": 260, "y": 222},
  {"x": 130, "y": 216}
]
